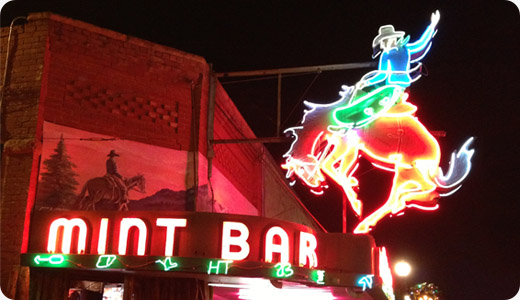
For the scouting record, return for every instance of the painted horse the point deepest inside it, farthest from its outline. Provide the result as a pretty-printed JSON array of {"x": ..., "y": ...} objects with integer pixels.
[
  {"x": 381, "y": 126},
  {"x": 102, "y": 188}
]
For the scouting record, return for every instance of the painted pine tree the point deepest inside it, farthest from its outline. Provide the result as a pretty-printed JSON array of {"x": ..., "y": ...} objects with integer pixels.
[{"x": 57, "y": 185}]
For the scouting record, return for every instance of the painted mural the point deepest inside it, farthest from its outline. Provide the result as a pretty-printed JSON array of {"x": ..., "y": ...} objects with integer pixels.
[{"x": 81, "y": 170}]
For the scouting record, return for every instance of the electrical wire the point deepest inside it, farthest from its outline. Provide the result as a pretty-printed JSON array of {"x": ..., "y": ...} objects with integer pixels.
[
  {"x": 4, "y": 79},
  {"x": 301, "y": 98}
]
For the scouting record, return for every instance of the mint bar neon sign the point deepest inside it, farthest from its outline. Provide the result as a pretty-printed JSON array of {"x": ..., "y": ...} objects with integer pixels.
[{"x": 235, "y": 240}]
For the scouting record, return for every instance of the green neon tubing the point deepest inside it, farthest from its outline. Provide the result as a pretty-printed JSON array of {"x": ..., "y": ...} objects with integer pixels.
[
  {"x": 105, "y": 261},
  {"x": 365, "y": 109},
  {"x": 54, "y": 259},
  {"x": 167, "y": 263}
]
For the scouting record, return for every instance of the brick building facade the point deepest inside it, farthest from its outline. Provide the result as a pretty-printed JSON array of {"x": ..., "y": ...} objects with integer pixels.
[
  {"x": 68, "y": 73},
  {"x": 78, "y": 75}
]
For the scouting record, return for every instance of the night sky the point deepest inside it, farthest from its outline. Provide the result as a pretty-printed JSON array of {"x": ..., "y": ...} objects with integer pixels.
[{"x": 470, "y": 247}]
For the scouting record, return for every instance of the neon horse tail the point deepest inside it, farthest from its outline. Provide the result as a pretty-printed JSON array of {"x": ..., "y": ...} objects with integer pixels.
[{"x": 460, "y": 165}]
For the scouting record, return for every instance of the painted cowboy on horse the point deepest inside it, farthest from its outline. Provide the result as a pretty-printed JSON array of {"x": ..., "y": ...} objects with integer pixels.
[
  {"x": 115, "y": 178},
  {"x": 112, "y": 187}
]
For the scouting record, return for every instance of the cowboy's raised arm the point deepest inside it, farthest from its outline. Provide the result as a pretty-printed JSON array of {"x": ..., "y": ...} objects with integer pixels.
[{"x": 426, "y": 37}]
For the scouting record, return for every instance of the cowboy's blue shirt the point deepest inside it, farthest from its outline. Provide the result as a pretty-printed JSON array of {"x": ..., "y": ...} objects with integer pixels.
[{"x": 394, "y": 64}]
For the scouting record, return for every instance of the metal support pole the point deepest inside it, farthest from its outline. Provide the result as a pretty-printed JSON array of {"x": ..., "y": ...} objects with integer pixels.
[
  {"x": 283, "y": 139},
  {"x": 278, "y": 139},
  {"x": 344, "y": 213},
  {"x": 279, "y": 72},
  {"x": 308, "y": 69},
  {"x": 210, "y": 130},
  {"x": 279, "y": 105}
]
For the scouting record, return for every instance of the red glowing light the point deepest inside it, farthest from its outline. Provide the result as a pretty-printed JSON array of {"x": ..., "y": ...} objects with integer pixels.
[
  {"x": 395, "y": 141},
  {"x": 170, "y": 224},
  {"x": 68, "y": 226},
  {"x": 271, "y": 247},
  {"x": 103, "y": 231},
  {"x": 308, "y": 245},
  {"x": 386, "y": 274},
  {"x": 228, "y": 240},
  {"x": 126, "y": 224}
]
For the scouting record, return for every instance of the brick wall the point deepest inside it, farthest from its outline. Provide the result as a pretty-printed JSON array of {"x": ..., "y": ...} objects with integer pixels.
[
  {"x": 109, "y": 83},
  {"x": 75, "y": 74},
  {"x": 21, "y": 136},
  {"x": 239, "y": 162}
]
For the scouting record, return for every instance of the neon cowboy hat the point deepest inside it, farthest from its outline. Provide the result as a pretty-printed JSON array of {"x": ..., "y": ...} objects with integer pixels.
[{"x": 386, "y": 32}]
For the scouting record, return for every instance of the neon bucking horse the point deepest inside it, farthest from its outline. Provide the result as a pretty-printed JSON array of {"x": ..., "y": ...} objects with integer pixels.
[{"x": 374, "y": 119}]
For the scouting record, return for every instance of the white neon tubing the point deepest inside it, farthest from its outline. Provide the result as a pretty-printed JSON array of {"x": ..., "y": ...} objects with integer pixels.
[
  {"x": 126, "y": 224},
  {"x": 68, "y": 226},
  {"x": 103, "y": 234},
  {"x": 308, "y": 245},
  {"x": 170, "y": 224},
  {"x": 271, "y": 247},
  {"x": 240, "y": 241}
]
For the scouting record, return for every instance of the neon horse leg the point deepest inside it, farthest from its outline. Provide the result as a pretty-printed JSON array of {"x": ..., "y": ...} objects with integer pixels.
[
  {"x": 409, "y": 184},
  {"x": 390, "y": 205},
  {"x": 346, "y": 155},
  {"x": 423, "y": 196}
]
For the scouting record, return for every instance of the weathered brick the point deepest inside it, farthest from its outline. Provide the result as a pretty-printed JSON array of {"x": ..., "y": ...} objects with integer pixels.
[{"x": 109, "y": 83}]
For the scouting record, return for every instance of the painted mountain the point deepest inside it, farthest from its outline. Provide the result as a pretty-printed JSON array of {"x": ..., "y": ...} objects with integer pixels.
[{"x": 165, "y": 199}]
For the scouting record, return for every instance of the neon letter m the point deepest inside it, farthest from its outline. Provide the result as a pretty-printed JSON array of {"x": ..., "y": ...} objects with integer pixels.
[{"x": 68, "y": 227}]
